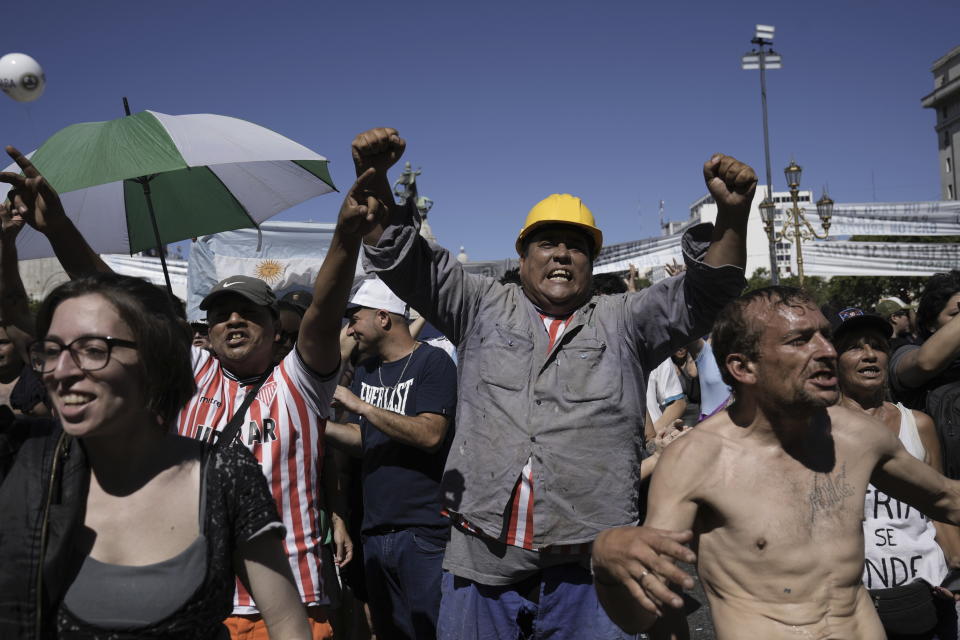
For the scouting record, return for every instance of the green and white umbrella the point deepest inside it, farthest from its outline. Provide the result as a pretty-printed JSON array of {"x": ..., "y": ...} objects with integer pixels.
[{"x": 199, "y": 173}]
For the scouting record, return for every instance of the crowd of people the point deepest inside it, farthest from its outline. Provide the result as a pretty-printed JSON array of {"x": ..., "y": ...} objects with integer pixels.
[{"x": 438, "y": 454}]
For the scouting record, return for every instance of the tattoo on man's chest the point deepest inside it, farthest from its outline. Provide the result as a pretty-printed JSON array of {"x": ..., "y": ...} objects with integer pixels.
[{"x": 828, "y": 492}]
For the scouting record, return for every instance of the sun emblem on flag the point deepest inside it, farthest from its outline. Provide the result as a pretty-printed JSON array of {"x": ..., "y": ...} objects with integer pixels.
[{"x": 269, "y": 271}]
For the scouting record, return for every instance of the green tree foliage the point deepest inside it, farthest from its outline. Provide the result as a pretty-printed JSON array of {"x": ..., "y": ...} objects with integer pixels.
[{"x": 847, "y": 291}]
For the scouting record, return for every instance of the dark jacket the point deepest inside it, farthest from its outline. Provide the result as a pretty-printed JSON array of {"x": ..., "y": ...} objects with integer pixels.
[{"x": 44, "y": 479}]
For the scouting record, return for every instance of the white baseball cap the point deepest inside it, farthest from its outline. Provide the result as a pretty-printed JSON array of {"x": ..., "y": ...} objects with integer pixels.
[{"x": 375, "y": 294}]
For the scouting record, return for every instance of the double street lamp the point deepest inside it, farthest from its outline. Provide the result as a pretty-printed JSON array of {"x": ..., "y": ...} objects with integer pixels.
[{"x": 795, "y": 227}]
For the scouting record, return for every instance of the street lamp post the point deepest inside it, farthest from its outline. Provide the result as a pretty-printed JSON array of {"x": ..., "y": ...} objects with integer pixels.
[
  {"x": 765, "y": 58},
  {"x": 796, "y": 229}
]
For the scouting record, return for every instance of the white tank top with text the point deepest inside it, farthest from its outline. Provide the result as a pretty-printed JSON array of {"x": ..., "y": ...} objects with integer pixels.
[{"x": 898, "y": 539}]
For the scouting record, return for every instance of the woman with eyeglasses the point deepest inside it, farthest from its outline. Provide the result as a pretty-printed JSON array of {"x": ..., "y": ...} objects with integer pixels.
[{"x": 111, "y": 525}]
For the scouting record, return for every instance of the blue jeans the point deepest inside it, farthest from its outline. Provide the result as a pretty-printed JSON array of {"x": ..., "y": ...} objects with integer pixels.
[
  {"x": 567, "y": 608},
  {"x": 403, "y": 571}
]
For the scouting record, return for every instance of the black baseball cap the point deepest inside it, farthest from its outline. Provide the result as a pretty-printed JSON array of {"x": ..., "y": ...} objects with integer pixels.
[
  {"x": 854, "y": 318},
  {"x": 253, "y": 289},
  {"x": 298, "y": 299}
]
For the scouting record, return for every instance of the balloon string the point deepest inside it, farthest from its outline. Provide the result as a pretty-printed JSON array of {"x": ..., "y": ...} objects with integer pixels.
[{"x": 33, "y": 126}]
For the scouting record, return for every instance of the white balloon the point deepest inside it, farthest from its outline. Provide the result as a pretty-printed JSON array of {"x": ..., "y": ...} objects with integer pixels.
[{"x": 21, "y": 77}]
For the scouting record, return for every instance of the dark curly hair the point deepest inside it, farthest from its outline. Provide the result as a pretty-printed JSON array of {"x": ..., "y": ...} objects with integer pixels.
[
  {"x": 738, "y": 329},
  {"x": 608, "y": 284},
  {"x": 936, "y": 292},
  {"x": 163, "y": 341}
]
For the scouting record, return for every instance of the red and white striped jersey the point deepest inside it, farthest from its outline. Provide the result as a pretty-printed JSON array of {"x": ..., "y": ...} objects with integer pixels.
[{"x": 284, "y": 428}]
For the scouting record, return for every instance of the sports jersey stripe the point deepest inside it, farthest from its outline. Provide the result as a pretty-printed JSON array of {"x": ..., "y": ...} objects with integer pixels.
[
  {"x": 206, "y": 365},
  {"x": 316, "y": 425},
  {"x": 311, "y": 465},
  {"x": 289, "y": 469},
  {"x": 217, "y": 417},
  {"x": 200, "y": 414},
  {"x": 514, "y": 519},
  {"x": 552, "y": 332},
  {"x": 294, "y": 465},
  {"x": 305, "y": 569},
  {"x": 527, "y": 539},
  {"x": 207, "y": 411},
  {"x": 188, "y": 422},
  {"x": 205, "y": 372}
]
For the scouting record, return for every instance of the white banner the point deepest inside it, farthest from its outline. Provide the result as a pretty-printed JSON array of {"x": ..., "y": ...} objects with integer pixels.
[
  {"x": 830, "y": 258},
  {"x": 891, "y": 218},
  {"x": 643, "y": 254},
  {"x": 846, "y": 258}
]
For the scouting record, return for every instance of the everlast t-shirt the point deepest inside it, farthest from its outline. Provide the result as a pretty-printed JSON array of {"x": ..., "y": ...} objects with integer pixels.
[{"x": 401, "y": 483}]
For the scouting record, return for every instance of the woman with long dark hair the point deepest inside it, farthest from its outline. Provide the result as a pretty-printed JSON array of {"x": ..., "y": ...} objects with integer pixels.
[{"x": 112, "y": 525}]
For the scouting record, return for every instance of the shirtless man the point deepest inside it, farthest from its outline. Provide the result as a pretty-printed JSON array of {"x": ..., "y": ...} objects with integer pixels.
[{"x": 773, "y": 488}]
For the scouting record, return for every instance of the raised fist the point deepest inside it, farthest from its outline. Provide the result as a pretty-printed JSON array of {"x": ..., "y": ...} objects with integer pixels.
[
  {"x": 730, "y": 182},
  {"x": 378, "y": 148}
]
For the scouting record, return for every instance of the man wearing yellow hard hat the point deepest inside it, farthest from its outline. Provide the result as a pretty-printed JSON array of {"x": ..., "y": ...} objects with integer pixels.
[{"x": 551, "y": 401}]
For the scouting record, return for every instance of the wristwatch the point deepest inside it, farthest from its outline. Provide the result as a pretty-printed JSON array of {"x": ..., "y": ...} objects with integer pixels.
[{"x": 651, "y": 447}]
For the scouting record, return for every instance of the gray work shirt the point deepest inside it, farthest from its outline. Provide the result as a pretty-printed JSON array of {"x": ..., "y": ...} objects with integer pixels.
[{"x": 577, "y": 410}]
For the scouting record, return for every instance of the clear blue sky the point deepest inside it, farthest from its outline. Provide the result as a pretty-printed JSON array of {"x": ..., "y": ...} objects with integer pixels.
[{"x": 503, "y": 103}]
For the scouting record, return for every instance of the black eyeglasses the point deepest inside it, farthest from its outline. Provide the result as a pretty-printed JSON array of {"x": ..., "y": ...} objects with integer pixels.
[{"x": 90, "y": 353}]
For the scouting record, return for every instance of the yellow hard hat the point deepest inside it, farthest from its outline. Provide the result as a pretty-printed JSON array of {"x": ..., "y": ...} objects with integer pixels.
[{"x": 561, "y": 208}]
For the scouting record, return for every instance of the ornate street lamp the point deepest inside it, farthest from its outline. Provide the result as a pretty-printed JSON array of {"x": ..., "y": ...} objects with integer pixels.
[
  {"x": 768, "y": 215},
  {"x": 792, "y": 174},
  {"x": 796, "y": 229},
  {"x": 825, "y": 211}
]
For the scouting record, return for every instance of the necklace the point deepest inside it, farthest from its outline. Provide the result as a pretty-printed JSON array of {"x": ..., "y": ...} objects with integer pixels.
[{"x": 402, "y": 371}]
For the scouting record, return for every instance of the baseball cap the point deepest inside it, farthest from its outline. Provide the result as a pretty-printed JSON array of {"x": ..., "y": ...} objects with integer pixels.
[
  {"x": 299, "y": 300},
  {"x": 889, "y": 306},
  {"x": 853, "y": 318},
  {"x": 253, "y": 289},
  {"x": 374, "y": 294}
]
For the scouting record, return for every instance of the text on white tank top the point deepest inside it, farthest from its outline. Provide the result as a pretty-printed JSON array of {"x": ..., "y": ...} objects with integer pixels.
[{"x": 899, "y": 541}]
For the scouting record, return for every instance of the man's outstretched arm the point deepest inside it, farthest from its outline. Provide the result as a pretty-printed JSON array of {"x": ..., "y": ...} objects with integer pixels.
[
  {"x": 32, "y": 198},
  {"x": 632, "y": 565},
  {"x": 913, "y": 481},
  {"x": 379, "y": 149},
  {"x": 916, "y": 366},
  {"x": 319, "y": 339},
  {"x": 732, "y": 185},
  {"x": 680, "y": 309},
  {"x": 422, "y": 274},
  {"x": 14, "y": 304}
]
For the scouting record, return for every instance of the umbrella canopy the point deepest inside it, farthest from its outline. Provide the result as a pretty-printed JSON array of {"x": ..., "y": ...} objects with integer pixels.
[{"x": 205, "y": 173}]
